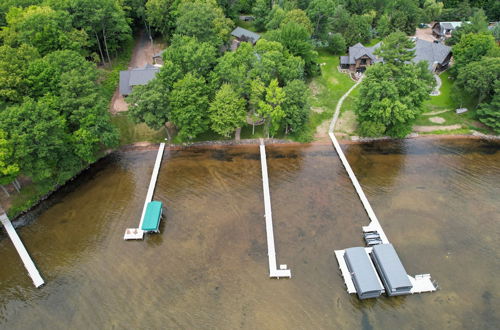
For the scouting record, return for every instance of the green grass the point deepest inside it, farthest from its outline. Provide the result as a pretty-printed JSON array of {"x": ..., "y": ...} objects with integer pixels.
[
  {"x": 445, "y": 102},
  {"x": 247, "y": 25},
  {"x": 131, "y": 132},
  {"x": 327, "y": 89},
  {"x": 373, "y": 42}
]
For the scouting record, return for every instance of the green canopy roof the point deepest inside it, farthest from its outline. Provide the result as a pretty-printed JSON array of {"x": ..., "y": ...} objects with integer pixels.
[{"x": 152, "y": 217}]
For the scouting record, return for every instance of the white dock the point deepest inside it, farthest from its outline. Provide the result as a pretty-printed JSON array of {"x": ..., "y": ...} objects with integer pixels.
[
  {"x": 137, "y": 233},
  {"x": 345, "y": 271},
  {"x": 274, "y": 272},
  {"x": 25, "y": 257},
  {"x": 422, "y": 283},
  {"x": 374, "y": 224}
]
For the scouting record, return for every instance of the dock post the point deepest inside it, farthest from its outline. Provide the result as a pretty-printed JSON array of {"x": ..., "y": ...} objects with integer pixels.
[
  {"x": 23, "y": 253},
  {"x": 271, "y": 250}
]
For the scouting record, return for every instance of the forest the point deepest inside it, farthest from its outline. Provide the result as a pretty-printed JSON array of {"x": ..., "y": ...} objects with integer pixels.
[{"x": 54, "y": 112}]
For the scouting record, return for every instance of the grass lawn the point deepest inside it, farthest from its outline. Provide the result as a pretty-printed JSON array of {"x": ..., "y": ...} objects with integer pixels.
[
  {"x": 326, "y": 90},
  {"x": 444, "y": 102},
  {"x": 131, "y": 132},
  {"x": 247, "y": 25}
]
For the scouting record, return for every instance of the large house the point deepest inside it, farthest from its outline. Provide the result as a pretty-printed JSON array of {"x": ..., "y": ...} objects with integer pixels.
[
  {"x": 138, "y": 76},
  {"x": 444, "y": 29},
  {"x": 359, "y": 57}
]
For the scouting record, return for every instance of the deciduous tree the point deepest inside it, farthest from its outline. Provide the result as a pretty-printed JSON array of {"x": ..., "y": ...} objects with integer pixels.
[{"x": 227, "y": 111}]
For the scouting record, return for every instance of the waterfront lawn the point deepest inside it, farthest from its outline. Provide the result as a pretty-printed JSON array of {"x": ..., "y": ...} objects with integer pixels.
[
  {"x": 326, "y": 90},
  {"x": 131, "y": 132},
  {"x": 444, "y": 102}
]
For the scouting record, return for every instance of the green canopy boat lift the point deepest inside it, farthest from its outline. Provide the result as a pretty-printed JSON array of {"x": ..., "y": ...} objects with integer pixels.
[{"x": 152, "y": 218}]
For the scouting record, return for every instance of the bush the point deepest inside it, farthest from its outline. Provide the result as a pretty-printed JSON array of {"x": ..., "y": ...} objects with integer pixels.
[
  {"x": 336, "y": 43},
  {"x": 371, "y": 129}
]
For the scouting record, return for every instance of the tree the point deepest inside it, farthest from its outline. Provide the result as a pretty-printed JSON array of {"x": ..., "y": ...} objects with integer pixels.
[
  {"x": 358, "y": 30},
  {"x": 478, "y": 24},
  {"x": 261, "y": 11},
  {"x": 203, "y": 20},
  {"x": 268, "y": 104},
  {"x": 14, "y": 64},
  {"x": 478, "y": 78},
  {"x": 299, "y": 17},
  {"x": 275, "y": 17},
  {"x": 489, "y": 113},
  {"x": 9, "y": 169},
  {"x": 404, "y": 15},
  {"x": 160, "y": 14},
  {"x": 432, "y": 10},
  {"x": 384, "y": 26},
  {"x": 235, "y": 68},
  {"x": 471, "y": 48},
  {"x": 391, "y": 97},
  {"x": 336, "y": 43},
  {"x": 149, "y": 104},
  {"x": 295, "y": 105},
  {"x": 340, "y": 20},
  {"x": 191, "y": 55},
  {"x": 43, "y": 28},
  {"x": 396, "y": 49},
  {"x": 188, "y": 106},
  {"x": 319, "y": 11},
  {"x": 227, "y": 111},
  {"x": 298, "y": 42}
]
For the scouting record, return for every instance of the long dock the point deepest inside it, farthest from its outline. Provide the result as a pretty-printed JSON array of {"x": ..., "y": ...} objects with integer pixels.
[
  {"x": 274, "y": 272},
  {"x": 138, "y": 233},
  {"x": 23, "y": 253}
]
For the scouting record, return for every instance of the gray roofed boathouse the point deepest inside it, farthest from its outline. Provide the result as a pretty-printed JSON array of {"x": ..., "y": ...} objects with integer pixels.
[
  {"x": 363, "y": 273},
  {"x": 391, "y": 270}
]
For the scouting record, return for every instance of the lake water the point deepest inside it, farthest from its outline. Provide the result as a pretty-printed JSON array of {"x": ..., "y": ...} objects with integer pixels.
[{"x": 438, "y": 201}]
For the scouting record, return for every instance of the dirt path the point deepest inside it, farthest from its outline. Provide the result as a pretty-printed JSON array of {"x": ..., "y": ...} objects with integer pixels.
[
  {"x": 423, "y": 129},
  {"x": 141, "y": 55}
]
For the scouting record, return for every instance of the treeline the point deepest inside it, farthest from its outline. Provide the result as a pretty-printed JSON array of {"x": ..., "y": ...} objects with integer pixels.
[
  {"x": 54, "y": 120},
  {"x": 203, "y": 86}
]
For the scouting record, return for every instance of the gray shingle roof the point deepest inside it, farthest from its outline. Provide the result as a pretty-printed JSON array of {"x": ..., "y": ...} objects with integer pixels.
[
  {"x": 242, "y": 33},
  {"x": 430, "y": 52},
  {"x": 138, "y": 76},
  {"x": 424, "y": 51},
  {"x": 358, "y": 50}
]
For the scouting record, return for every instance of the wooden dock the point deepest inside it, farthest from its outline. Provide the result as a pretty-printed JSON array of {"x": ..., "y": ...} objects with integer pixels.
[
  {"x": 138, "y": 233},
  {"x": 23, "y": 253},
  {"x": 274, "y": 272}
]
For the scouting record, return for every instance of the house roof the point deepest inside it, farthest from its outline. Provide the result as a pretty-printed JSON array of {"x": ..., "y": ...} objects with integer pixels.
[
  {"x": 442, "y": 26},
  {"x": 424, "y": 51},
  {"x": 430, "y": 52},
  {"x": 137, "y": 76},
  {"x": 240, "y": 32},
  {"x": 358, "y": 50}
]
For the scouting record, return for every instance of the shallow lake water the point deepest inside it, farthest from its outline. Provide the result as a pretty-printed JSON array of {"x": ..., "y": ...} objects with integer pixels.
[{"x": 438, "y": 201}]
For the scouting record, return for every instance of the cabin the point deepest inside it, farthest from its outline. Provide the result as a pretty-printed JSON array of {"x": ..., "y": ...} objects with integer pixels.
[
  {"x": 359, "y": 58},
  {"x": 243, "y": 35},
  {"x": 391, "y": 270},
  {"x": 137, "y": 76},
  {"x": 152, "y": 217},
  {"x": 363, "y": 273},
  {"x": 437, "y": 55},
  {"x": 444, "y": 29}
]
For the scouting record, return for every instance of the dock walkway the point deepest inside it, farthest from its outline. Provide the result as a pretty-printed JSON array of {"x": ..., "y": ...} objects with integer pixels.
[
  {"x": 138, "y": 233},
  {"x": 23, "y": 253},
  {"x": 274, "y": 272}
]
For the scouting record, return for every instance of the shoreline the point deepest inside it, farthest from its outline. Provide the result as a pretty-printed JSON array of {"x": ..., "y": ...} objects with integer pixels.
[
  {"x": 215, "y": 144},
  {"x": 220, "y": 144}
]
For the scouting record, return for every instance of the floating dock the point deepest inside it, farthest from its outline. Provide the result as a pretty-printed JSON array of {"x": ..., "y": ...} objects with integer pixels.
[
  {"x": 389, "y": 271},
  {"x": 138, "y": 233},
  {"x": 274, "y": 272},
  {"x": 25, "y": 257}
]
